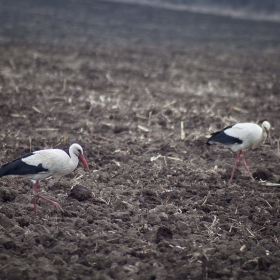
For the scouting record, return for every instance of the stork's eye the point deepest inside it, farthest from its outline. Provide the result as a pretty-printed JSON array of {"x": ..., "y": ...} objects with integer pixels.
[{"x": 79, "y": 151}]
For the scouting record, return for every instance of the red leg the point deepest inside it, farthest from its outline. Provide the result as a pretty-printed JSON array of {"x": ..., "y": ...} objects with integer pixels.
[
  {"x": 236, "y": 161},
  {"x": 35, "y": 195},
  {"x": 246, "y": 166},
  {"x": 34, "y": 192}
]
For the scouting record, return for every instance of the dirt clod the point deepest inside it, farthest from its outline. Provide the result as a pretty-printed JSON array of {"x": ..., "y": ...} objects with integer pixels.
[
  {"x": 163, "y": 233},
  {"x": 80, "y": 193}
]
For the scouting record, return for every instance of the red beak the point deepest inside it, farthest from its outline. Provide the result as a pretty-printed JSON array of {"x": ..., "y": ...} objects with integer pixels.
[{"x": 84, "y": 162}]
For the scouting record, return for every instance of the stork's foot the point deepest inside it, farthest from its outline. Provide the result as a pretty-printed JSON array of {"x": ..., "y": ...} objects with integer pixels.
[
  {"x": 36, "y": 195},
  {"x": 55, "y": 204},
  {"x": 253, "y": 179}
]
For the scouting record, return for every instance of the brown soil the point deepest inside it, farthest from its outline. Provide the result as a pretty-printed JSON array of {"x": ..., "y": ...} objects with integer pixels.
[{"x": 156, "y": 203}]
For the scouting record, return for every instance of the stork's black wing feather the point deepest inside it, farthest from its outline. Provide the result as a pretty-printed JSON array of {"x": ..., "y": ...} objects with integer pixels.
[
  {"x": 223, "y": 138},
  {"x": 19, "y": 167}
]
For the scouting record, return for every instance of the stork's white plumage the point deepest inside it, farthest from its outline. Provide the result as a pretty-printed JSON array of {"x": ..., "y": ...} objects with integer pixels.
[
  {"x": 241, "y": 137},
  {"x": 44, "y": 164}
]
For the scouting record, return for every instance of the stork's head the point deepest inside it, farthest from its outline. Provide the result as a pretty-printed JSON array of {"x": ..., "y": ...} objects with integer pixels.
[
  {"x": 78, "y": 151},
  {"x": 266, "y": 126}
]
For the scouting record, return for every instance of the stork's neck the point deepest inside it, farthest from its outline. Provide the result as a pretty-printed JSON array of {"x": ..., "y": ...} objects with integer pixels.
[
  {"x": 73, "y": 160},
  {"x": 264, "y": 134}
]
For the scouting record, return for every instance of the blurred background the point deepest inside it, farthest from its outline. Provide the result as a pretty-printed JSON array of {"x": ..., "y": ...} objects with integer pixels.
[
  {"x": 254, "y": 9},
  {"x": 217, "y": 23}
]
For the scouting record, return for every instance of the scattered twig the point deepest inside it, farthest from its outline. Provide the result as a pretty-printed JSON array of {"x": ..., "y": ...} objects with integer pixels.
[
  {"x": 6, "y": 135},
  {"x": 78, "y": 176},
  {"x": 252, "y": 234},
  {"x": 18, "y": 116},
  {"x": 242, "y": 248},
  {"x": 4, "y": 266},
  {"x": 211, "y": 108},
  {"x": 169, "y": 104},
  {"x": 206, "y": 198},
  {"x": 103, "y": 200},
  {"x": 36, "y": 109},
  {"x": 269, "y": 184},
  {"x": 64, "y": 85},
  {"x": 166, "y": 200},
  {"x": 81, "y": 176},
  {"x": 268, "y": 204},
  {"x": 109, "y": 78},
  {"x": 215, "y": 222},
  {"x": 116, "y": 162},
  {"x": 47, "y": 129},
  {"x": 12, "y": 63},
  {"x": 30, "y": 140},
  {"x": 209, "y": 230},
  {"x": 155, "y": 158},
  {"x": 57, "y": 145},
  {"x": 175, "y": 158},
  {"x": 168, "y": 120},
  {"x": 183, "y": 134},
  {"x": 141, "y": 117},
  {"x": 148, "y": 91},
  {"x": 143, "y": 128},
  {"x": 106, "y": 139},
  {"x": 260, "y": 229},
  {"x": 150, "y": 118},
  {"x": 239, "y": 109},
  {"x": 42, "y": 92}
]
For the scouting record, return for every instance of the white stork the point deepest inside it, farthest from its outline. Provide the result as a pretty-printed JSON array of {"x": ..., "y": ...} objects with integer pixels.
[
  {"x": 241, "y": 137},
  {"x": 43, "y": 164}
]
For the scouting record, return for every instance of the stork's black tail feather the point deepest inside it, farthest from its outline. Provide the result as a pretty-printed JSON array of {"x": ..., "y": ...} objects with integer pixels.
[
  {"x": 212, "y": 138},
  {"x": 5, "y": 169}
]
